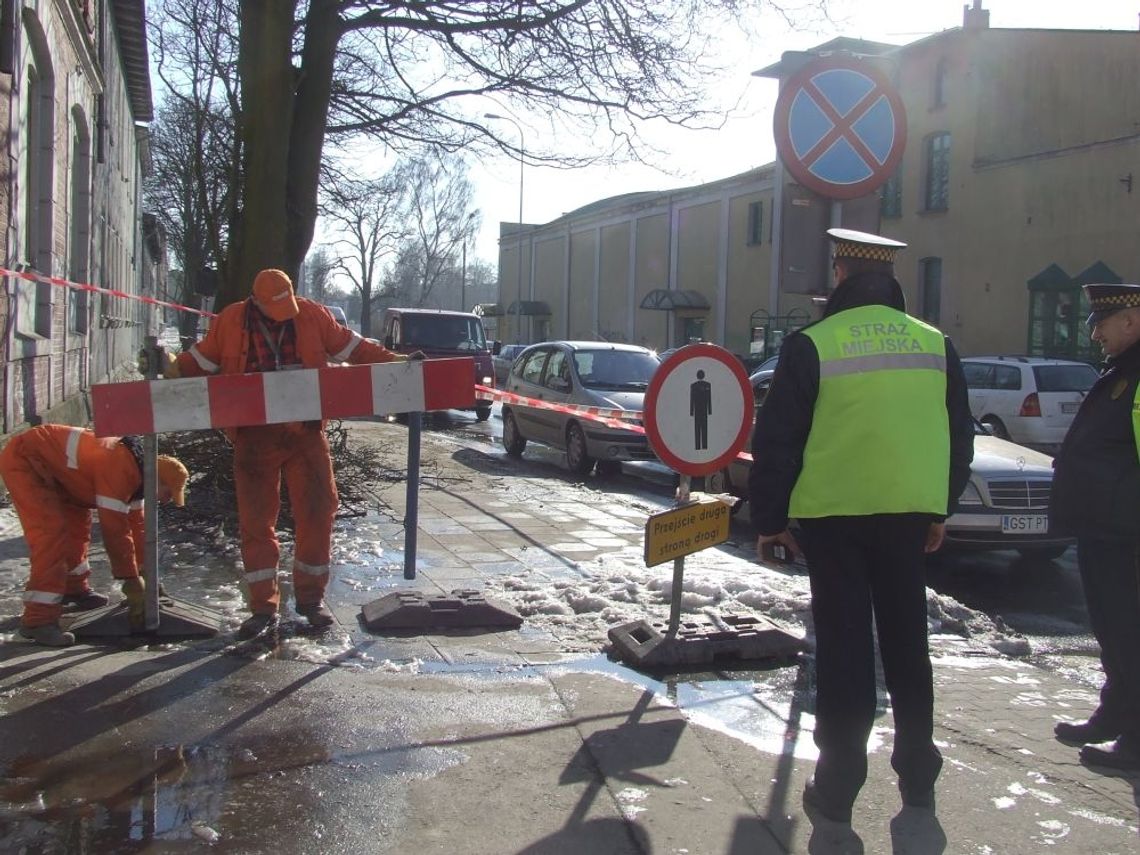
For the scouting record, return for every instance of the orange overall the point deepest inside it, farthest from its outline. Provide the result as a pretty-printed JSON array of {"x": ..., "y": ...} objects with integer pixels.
[
  {"x": 55, "y": 475},
  {"x": 299, "y": 450}
]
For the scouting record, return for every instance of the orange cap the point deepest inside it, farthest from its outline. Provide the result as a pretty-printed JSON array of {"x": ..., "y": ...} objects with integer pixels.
[
  {"x": 173, "y": 476},
  {"x": 273, "y": 292}
]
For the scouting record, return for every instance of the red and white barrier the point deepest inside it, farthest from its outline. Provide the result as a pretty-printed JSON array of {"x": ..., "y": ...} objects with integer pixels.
[{"x": 273, "y": 397}]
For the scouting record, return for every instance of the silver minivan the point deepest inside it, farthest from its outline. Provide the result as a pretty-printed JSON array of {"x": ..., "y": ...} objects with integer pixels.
[{"x": 575, "y": 375}]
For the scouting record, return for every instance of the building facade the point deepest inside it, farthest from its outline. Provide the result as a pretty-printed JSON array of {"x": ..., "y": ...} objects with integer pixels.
[
  {"x": 77, "y": 97},
  {"x": 1016, "y": 187}
]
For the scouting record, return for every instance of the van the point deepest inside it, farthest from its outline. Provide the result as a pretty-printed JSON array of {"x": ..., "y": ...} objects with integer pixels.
[{"x": 442, "y": 334}]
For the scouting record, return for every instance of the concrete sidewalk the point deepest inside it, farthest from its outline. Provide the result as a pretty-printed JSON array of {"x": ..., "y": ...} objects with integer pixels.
[{"x": 504, "y": 742}]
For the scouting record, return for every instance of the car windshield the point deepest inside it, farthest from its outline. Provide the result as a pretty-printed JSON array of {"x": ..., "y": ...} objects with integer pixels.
[
  {"x": 1064, "y": 378},
  {"x": 615, "y": 369},
  {"x": 443, "y": 332}
]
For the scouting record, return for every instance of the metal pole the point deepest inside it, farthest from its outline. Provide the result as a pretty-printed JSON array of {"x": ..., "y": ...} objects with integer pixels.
[
  {"x": 150, "y": 503},
  {"x": 683, "y": 488},
  {"x": 463, "y": 279},
  {"x": 412, "y": 494}
]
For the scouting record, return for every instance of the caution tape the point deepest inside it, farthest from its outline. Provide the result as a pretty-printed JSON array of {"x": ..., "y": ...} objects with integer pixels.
[
  {"x": 32, "y": 276},
  {"x": 628, "y": 420}
]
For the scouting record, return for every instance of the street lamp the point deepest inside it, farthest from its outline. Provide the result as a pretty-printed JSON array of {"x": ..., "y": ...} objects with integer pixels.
[
  {"x": 463, "y": 269},
  {"x": 522, "y": 161}
]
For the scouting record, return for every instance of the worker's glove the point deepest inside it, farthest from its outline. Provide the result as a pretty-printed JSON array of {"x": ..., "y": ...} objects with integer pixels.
[
  {"x": 134, "y": 590},
  {"x": 167, "y": 363},
  {"x": 417, "y": 355}
]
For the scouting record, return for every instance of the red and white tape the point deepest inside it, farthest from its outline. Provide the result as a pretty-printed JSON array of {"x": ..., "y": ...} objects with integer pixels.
[
  {"x": 629, "y": 420},
  {"x": 32, "y": 276}
]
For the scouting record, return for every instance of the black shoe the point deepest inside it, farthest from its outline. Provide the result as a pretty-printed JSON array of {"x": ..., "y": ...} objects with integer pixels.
[
  {"x": 255, "y": 625},
  {"x": 1085, "y": 732},
  {"x": 86, "y": 601},
  {"x": 49, "y": 635},
  {"x": 815, "y": 803},
  {"x": 1122, "y": 754},
  {"x": 317, "y": 614},
  {"x": 917, "y": 798}
]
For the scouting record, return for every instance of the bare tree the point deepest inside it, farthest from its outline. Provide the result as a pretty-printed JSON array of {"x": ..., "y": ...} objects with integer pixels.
[
  {"x": 406, "y": 75},
  {"x": 318, "y": 270},
  {"x": 194, "y": 187},
  {"x": 368, "y": 213}
]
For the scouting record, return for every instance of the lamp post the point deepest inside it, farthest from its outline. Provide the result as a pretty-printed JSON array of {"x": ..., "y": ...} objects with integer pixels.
[
  {"x": 522, "y": 162},
  {"x": 463, "y": 268}
]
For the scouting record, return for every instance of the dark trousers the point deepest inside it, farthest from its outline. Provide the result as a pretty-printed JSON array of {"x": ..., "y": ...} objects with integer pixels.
[
  {"x": 865, "y": 568},
  {"x": 1111, "y": 578}
]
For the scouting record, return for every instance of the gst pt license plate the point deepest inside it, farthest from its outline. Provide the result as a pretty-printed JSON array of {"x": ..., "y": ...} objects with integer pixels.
[
  {"x": 1024, "y": 524},
  {"x": 1070, "y": 406}
]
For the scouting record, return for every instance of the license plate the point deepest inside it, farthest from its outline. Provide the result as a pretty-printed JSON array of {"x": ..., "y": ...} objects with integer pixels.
[
  {"x": 1070, "y": 407},
  {"x": 1024, "y": 524}
]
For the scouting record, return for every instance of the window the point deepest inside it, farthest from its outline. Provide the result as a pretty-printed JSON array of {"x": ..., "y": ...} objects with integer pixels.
[
  {"x": 80, "y": 238},
  {"x": 939, "y": 93},
  {"x": 693, "y": 330},
  {"x": 558, "y": 368},
  {"x": 938, "y": 172},
  {"x": 1007, "y": 377},
  {"x": 930, "y": 277},
  {"x": 979, "y": 375},
  {"x": 531, "y": 370},
  {"x": 890, "y": 196},
  {"x": 755, "y": 223}
]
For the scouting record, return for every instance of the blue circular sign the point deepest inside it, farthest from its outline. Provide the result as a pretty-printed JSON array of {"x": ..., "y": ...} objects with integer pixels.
[{"x": 840, "y": 127}]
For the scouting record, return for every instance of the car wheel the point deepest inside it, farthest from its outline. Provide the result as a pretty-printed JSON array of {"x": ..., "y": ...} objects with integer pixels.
[
  {"x": 576, "y": 455},
  {"x": 513, "y": 441},
  {"x": 609, "y": 468},
  {"x": 994, "y": 425},
  {"x": 1042, "y": 553},
  {"x": 482, "y": 413},
  {"x": 401, "y": 418}
]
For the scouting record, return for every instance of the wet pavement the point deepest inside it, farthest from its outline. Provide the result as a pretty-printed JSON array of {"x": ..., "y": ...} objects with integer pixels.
[{"x": 524, "y": 741}]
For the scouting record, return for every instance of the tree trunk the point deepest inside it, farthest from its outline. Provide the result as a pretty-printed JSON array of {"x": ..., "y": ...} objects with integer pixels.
[
  {"x": 267, "y": 86},
  {"x": 323, "y": 30}
]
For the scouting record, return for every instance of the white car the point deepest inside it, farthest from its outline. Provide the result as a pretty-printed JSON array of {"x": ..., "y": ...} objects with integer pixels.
[{"x": 1028, "y": 399}]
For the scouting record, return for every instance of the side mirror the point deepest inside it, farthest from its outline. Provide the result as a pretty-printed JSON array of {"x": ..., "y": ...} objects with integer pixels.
[{"x": 496, "y": 347}]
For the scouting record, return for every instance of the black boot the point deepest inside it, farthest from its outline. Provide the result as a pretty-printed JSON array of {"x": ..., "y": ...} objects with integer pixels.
[
  {"x": 1096, "y": 729},
  {"x": 1123, "y": 754}
]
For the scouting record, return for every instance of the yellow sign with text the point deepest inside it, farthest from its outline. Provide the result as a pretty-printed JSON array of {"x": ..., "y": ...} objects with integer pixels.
[{"x": 685, "y": 530}]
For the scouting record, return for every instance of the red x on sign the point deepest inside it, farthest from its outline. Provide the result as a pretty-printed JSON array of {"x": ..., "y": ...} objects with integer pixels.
[{"x": 840, "y": 127}]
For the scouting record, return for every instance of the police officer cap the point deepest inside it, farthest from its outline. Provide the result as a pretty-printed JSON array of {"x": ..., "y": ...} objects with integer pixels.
[
  {"x": 852, "y": 244},
  {"x": 1105, "y": 300}
]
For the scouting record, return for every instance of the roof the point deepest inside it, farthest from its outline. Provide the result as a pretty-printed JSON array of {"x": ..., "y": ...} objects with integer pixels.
[
  {"x": 842, "y": 44},
  {"x": 130, "y": 27}
]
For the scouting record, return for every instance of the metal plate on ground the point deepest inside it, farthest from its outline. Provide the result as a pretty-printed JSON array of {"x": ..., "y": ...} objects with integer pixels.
[
  {"x": 702, "y": 641},
  {"x": 415, "y": 610},
  {"x": 176, "y": 619}
]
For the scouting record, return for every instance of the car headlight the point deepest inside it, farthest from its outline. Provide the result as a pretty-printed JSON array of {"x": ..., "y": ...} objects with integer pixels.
[
  {"x": 970, "y": 496},
  {"x": 488, "y": 381}
]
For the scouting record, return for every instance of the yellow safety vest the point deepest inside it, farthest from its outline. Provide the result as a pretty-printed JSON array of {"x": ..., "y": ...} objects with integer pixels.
[{"x": 880, "y": 435}]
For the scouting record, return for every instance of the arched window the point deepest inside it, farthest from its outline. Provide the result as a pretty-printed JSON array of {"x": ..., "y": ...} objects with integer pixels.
[
  {"x": 79, "y": 240},
  {"x": 937, "y": 187}
]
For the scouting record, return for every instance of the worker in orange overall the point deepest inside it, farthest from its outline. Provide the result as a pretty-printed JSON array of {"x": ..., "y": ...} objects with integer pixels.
[
  {"x": 55, "y": 475},
  {"x": 274, "y": 330}
]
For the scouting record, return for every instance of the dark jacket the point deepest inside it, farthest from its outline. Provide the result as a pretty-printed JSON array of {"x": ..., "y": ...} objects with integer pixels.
[
  {"x": 784, "y": 422},
  {"x": 1096, "y": 485}
]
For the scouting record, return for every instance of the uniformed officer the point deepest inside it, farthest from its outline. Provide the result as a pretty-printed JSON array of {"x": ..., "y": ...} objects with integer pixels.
[
  {"x": 866, "y": 440},
  {"x": 1096, "y": 494}
]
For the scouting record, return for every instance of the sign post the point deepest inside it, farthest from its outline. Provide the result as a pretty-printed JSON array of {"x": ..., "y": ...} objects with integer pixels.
[{"x": 698, "y": 414}]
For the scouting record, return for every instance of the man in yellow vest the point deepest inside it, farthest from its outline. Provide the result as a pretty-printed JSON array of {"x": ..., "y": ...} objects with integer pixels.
[
  {"x": 1096, "y": 490},
  {"x": 865, "y": 439}
]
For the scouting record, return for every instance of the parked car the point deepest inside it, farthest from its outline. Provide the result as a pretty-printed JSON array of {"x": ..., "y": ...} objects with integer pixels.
[
  {"x": 1030, "y": 400},
  {"x": 585, "y": 373},
  {"x": 441, "y": 334},
  {"x": 503, "y": 360},
  {"x": 761, "y": 378},
  {"x": 1005, "y": 504},
  {"x": 338, "y": 315}
]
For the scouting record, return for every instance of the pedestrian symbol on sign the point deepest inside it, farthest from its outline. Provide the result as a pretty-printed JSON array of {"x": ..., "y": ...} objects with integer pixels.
[{"x": 700, "y": 408}]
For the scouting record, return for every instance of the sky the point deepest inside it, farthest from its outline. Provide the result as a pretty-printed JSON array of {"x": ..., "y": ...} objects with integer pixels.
[{"x": 694, "y": 157}]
